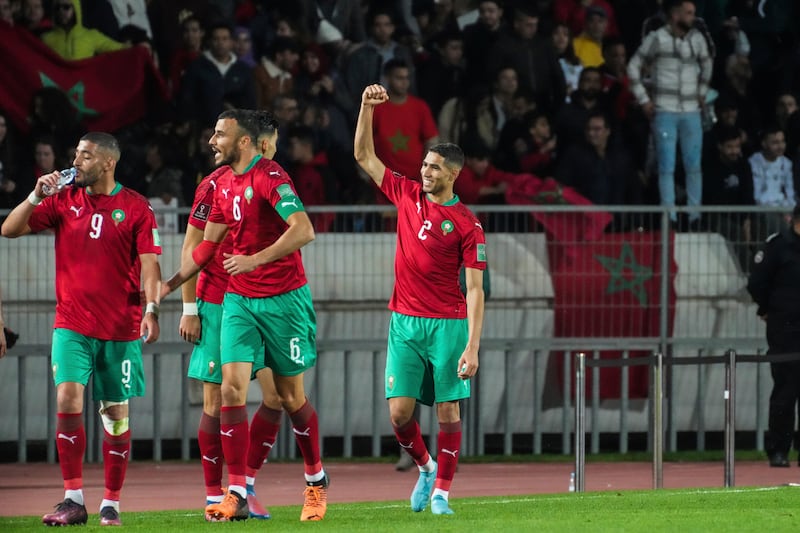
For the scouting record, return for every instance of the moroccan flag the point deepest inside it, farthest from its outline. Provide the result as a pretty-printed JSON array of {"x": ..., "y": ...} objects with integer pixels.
[
  {"x": 565, "y": 227},
  {"x": 108, "y": 91},
  {"x": 611, "y": 288}
]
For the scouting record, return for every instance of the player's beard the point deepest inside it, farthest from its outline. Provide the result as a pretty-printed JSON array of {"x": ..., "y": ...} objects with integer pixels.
[
  {"x": 232, "y": 156},
  {"x": 87, "y": 180}
]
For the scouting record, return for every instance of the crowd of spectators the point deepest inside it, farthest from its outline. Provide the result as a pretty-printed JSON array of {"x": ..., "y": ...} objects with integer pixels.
[{"x": 563, "y": 89}]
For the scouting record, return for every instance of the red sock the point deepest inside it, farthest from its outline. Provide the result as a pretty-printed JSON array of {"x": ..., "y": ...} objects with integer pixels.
[
  {"x": 410, "y": 439},
  {"x": 263, "y": 432},
  {"x": 234, "y": 436},
  {"x": 71, "y": 445},
  {"x": 211, "y": 458},
  {"x": 449, "y": 448},
  {"x": 306, "y": 433},
  {"x": 115, "y": 462}
]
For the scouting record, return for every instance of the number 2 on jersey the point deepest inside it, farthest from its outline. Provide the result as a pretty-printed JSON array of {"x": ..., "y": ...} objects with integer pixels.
[{"x": 426, "y": 226}]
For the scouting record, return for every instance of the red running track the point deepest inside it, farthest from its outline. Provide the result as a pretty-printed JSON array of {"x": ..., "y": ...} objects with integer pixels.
[{"x": 32, "y": 489}]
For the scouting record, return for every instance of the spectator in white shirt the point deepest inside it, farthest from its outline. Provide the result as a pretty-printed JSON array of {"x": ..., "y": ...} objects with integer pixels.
[{"x": 773, "y": 181}]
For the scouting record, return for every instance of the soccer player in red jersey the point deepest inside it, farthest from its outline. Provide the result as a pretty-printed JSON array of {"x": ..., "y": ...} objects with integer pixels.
[
  {"x": 434, "y": 334},
  {"x": 267, "y": 303},
  {"x": 106, "y": 241},
  {"x": 200, "y": 324}
]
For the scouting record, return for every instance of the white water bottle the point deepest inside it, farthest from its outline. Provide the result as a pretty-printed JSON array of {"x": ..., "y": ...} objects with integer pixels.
[
  {"x": 65, "y": 179},
  {"x": 572, "y": 481}
]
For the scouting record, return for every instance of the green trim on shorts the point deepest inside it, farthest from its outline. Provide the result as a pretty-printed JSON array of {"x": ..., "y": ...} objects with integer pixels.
[
  {"x": 279, "y": 331},
  {"x": 115, "y": 367},
  {"x": 422, "y": 359}
]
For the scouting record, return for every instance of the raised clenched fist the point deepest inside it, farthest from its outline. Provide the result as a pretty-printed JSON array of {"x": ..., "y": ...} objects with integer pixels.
[{"x": 373, "y": 95}]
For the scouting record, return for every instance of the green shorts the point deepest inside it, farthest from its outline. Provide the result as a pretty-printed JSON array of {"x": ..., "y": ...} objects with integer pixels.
[
  {"x": 279, "y": 330},
  {"x": 422, "y": 359},
  {"x": 206, "y": 362},
  {"x": 115, "y": 366}
]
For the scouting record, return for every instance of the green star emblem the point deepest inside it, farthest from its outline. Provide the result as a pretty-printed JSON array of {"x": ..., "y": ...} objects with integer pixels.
[
  {"x": 626, "y": 274},
  {"x": 399, "y": 142},
  {"x": 76, "y": 95}
]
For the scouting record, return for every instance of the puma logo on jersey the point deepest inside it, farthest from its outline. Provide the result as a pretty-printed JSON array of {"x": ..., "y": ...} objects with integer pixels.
[
  {"x": 419, "y": 207},
  {"x": 124, "y": 454},
  {"x": 274, "y": 173},
  {"x": 287, "y": 202},
  {"x": 225, "y": 193},
  {"x": 451, "y": 452},
  {"x": 67, "y": 437},
  {"x": 213, "y": 184},
  {"x": 76, "y": 209},
  {"x": 302, "y": 433},
  {"x": 228, "y": 433},
  {"x": 267, "y": 444},
  {"x": 212, "y": 460},
  {"x": 478, "y": 224}
]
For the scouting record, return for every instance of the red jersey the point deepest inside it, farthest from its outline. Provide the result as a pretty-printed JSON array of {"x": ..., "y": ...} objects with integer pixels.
[
  {"x": 255, "y": 205},
  {"x": 98, "y": 242},
  {"x": 400, "y": 132},
  {"x": 213, "y": 279},
  {"x": 433, "y": 242}
]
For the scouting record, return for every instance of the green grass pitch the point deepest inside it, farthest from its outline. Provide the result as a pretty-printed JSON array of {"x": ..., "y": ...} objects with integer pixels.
[{"x": 773, "y": 509}]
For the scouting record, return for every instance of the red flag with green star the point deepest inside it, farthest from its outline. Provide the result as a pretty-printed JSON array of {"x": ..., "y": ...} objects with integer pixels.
[
  {"x": 611, "y": 288},
  {"x": 107, "y": 91}
]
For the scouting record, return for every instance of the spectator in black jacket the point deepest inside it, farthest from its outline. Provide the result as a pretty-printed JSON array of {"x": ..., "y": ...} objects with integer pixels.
[
  {"x": 441, "y": 77},
  {"x": 728, "y": 180},
  {"x": 481, "y": 36},
  {"x": 600, "y": 168},
  {"x": 216, "y": 81},
  {"x": 589, "y": 97},
  {"x": 533, "y": 58}
]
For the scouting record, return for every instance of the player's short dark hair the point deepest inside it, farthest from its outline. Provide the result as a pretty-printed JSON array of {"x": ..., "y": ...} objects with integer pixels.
[
  {"x": 267, "y": 123},
  {"x": 452, "y": 154},
  {"x": 105, "y": 141},
  {"x": 247, "y": 119}
]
